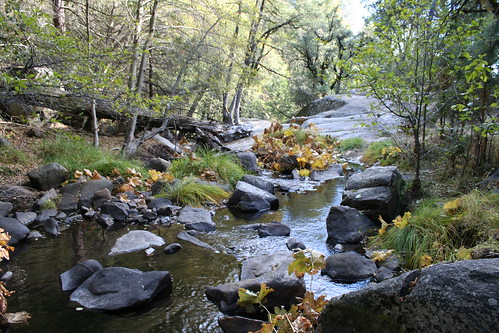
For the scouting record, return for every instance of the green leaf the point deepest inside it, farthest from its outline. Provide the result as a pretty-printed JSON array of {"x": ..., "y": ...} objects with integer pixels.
[
  {"x": 307, "y": 261},
  {"x": 248, "y": 298}
]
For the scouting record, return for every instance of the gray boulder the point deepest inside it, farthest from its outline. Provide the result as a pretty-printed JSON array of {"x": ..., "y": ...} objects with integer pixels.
[
  {"x": 105, "y": 220},
  {"x": 273, "y": 229},
  {"x": 70, "y": 194},
  {"x": 48, "y": 176},
  {"x": 5, "y": 208},
  {"x": 347, "y": 225},
  {"x": 74, "y": 277},
  {"x": 16, "y": 229},
  {"x": 26, "y": 218},
  {"x": 162, "y": 206},
  {"x": 118, "y": 288},
  {"x": 90, "y": 188},
  {"x": 271, "y": 270},
  {"x": 198, "y": 219},
  {"x": 51, "y": 226},
  {"x": 295, "y": 244},
  {"x": 50, "y": 195},
  {"x": 237, "y": 324},
  {"x": 158, "y": 164},
  {"x": 119, "y": 211},
  {"x": 21, "y": 198},
  {"x": 250, "y": 198},
  {"x": 374, "y": 177},
  {"x": 193, "y": 240},
  {"x": 172, "y": 248},
  {"x": 136, "y": 240},
  {"x": 333, "y": 172},
  {"x": 348, "y": 267},
  {"x": 248, "y": 161},
  {"x": 259, "y": 182},
  {"x": 449, "y": 297}
]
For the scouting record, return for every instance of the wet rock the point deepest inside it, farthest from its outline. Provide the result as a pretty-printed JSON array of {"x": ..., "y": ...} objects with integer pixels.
[
  {"x": 105, "y": 220},
  {"x": 16, "y": 229},
  {"x": 349, "y": 267},
  {"x": 90, "y": 188},
  {"x": 119, "y": 211},
  {"x": 259, "y": 182},
  {"x": 158, "y": 164},
  {"x": 51, "y": 226},
  {"x": 119, "y": 288},
  {"x": 47, "y": 213},
  {"x": 172, "y": 248},
  {"x": 50, "y": 195},
  {"x": 149, "y": 214},
  {"x": 70, "y": 194},
  {"x": 248, "y": 161},
  {"x": 34, "y": 235},
  {"x": 21, "y": 198},
  {"x": 333, "y": 172},
  {"x": 136, "y": 240},
  {"x": 447, "y": 297},
  {"x": 193, "y": 240},
  {"x": 295, "y": 244},
  {"x": 48, "y": 176},
  {"x": 347, "y": 225},
  {"x": 237, "y": 324},
  {"x": 198, "y": 219},
  {"x": 273, "y": 229},
  {"x": 5, "y": 208},
  {"x": 7, "y": 276},
  {"x": 160, "y": 205},
  {"x": 252, "y": 198},
  {"x": 74, "y": 277},
  {"x": 26, "y": 218},
  {"x": 74, "y": 219}
]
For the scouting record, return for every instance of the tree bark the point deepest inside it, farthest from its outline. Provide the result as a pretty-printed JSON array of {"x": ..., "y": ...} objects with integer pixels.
[{"x": 59, "y": 15}]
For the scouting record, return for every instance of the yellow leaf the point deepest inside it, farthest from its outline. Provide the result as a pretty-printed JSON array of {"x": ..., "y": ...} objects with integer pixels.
[
  {"x": 95, "y": 175},
  {"x": 78, "y": 174},
  {"x": 463, "y": 254},
  {"x": 383, "y": 151},
  {"x": 384, "y": 226},
  {"x": 135, "y": 181},
  {"x": 318, "y": 165},
  {"x": 153, "y": 174},
  {"x": 401, "y": 222},
  {"x": 453, "y": 206},
  {"x": 344, "y": 166},
  {"x": 302, "y": 161},
  {"x": 381, "y": 255},
  {"x": 304, "y": 172},
  {"x": 276, "y": 167},
  {"x": 425, "y": 260},
  {"x": 288, "y": 132}
]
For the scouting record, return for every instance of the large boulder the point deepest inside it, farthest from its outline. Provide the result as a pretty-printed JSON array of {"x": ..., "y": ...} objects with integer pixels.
[
  {"x": 193, "y": 240},
  {"x": 5, "y": 208},
  {"x": 448, "y": 297},
  {"x": 48, "y": 176},
  {"x": 119, "y": 288},
  {"x": 333, "y": 172},
  {"x": 375, "y": 192},
  {"x": 347, "y": 225},
  {"x": 21, "y": 198},
  {"x": 198, "y": 219},
  {"x": 118, "y": 210},
  {"x": 269, "y": 269},
  {"x": 16, "y": 229},
  {"x": 158, "y": 164},
  {"x": 248, "y": 161},
  {"x": 349, "y": 267},
  {"x": 273, "y": 229},
  {"x": 249, "y": 198},
  {"x": 136, "y": 240},
  {"x": 259, "y": 182},
  {"x": 90, "y": 188},
  {"x": 74, "y": 277}
]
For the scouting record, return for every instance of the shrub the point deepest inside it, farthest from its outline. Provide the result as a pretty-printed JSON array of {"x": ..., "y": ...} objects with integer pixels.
[
  {"x": 189, "y": 191},
  {"x": 352, "y": 144},
  {"x": 384, "y": 151}
]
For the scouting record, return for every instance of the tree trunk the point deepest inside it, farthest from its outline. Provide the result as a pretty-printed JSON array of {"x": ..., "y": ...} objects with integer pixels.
[
  {"x": 95, "y": 124},
  {"x": 59, "y": 15}
]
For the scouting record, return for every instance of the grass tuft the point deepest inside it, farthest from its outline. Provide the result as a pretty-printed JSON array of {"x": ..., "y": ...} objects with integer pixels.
[
  {"x": 12, "y": 155},
  {"x": 188, "y": 191},
  {"x": 352, "y": 144}
]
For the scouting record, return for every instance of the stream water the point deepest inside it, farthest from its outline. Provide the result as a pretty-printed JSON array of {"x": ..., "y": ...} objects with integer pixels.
[{"x": 37, "y": 266}]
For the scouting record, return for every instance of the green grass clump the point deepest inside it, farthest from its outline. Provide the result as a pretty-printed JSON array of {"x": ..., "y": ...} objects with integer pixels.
[
  {"x": 12, "y": 155},
  {"x": 439, "y": 231},
  {"x": 77, "y": 154},
  {"x": 384, "y": 151},
  {"x": 189, "y": 191},
  {"x": 352, "y": 144},
  {"x": 224, "y": 168}
]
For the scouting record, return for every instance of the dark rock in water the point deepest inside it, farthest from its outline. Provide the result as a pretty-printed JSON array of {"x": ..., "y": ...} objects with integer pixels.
[
  {"x": 90, "y": 188},
  {"x": 193, "y": 240},
  {"x": 26, "y": 218},
  {"x": 273, "y": 229},
  {"x": 247, "y": 193},
  {"x": 248, "y": 161},
  {"x": 70, "y": 195},
  {"x": 259, "y": 182},
  {"x": 236, "y": 324},
  {"x": 105, "y": 220},
  {"x": 16, "y": 229},
  {"x": 136, "y": 240},
  {"x": 271, "y": 270},
  {"x": 74, "y": 277},
  {"x": 333, "y": 172},
  {"x": 119, "y": 288},
  {"x": 172, "y": 248},
  {"x": 118, "y": 210},
  {"x": 349, "y": 267},
  {"x": 159, "y": 204},
  {"x": 158, "y": 164},
  {"x": 149, "y": 214},
  {"x": 48, "y": 176},
  {"x": 295, "y": 244},
  {"x": 198, "y": 219},
  {"x": 383, "y": 274},
  {"x": 347, "y": 225},
  {"x": 5, "y": 208},
  {"x": 21, "y": 198},
  {"x": 449, "y": 297},
  {"x": 50, "y": 195},
  {"x": 51, "y": 226}
]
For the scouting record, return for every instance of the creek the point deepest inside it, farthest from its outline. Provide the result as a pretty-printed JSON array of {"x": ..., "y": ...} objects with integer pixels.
[{"x": 37, "y": 266}]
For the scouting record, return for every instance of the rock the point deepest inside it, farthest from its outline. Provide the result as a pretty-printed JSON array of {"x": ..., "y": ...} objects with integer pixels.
[
  {"x": 149, "y": 214},
  {"x": 295, "y": 244},
  {"x": 119, "y": 211},
  {"x": 105, "y": 220},
  {"x": 333, "y": 172},
  {"x": 160, "y": 205},
  {"x": 16, "y": 229},
  {"x": 347, "y": 225},
  {"x": 101, "y": 197},
  {"x": 158, "y": 164},
  {"x": 70, "y": 195},
  {"x": 46, "y": 213},
  {"x": 50, "y": 195},
  {"x": 7, "y": 276},
  {"x": 247, "y": 193},
  {"x": 271, "y": 270},
  {"x": 349, "y": 267},
  {"x": 119, "y": 288},
  {"x": 74, "y": 218},
  {"x": 5, "y": 208},
  {"x": 237, "y": 324},
  {"x": 51, "y": 226},
  {"x": 374, "y": 177},
  {"x": 26, "y": 218},
  {"x": 90, "y": 188},
  {"x": 447, "y": 297},
  {"x": 48, "y": 176},
  {"x": 135, "y": 240},
  {"x": 193, "y": 240},
  {"x": 259, "y": 182},
  {"x": 34, "y": 235},
  {"x": 198, "y": 219},
  {"x": 21, "y": 198},
  {"x": 383, "y": 274},
  {"x": 74, "y": 277},
  {"x": 273, "y": 229},
  {"x": 248, "y": 161},
  {"x": 491, "y": 181},
  {"x": 172, "y": 248}
]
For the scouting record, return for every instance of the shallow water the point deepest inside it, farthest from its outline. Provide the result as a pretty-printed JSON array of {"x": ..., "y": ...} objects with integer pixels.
[{"x": 37, "y": 267}]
